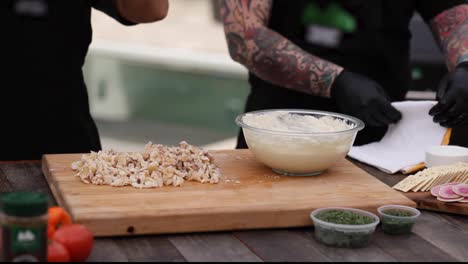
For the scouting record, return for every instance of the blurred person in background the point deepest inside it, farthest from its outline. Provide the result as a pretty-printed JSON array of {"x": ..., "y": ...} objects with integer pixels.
[
  {"x": 345, "y": 56},
  {"x": 44, "y": 104}
]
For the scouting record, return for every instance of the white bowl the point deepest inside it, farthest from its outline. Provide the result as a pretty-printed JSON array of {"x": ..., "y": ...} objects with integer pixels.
[
  {"x": 300, "y": 154},
  {"x": 445, "y": 155}
]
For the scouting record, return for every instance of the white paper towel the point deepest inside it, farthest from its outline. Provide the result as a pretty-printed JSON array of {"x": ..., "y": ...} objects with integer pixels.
[{"x": 405, "y": 143}]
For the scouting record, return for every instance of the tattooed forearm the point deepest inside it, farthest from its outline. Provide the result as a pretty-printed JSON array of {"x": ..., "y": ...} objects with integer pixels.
[
  {"x": 271, "y": 56},
  {"x": 451, "y": 29},
  {"x": 278, "y": 60}
]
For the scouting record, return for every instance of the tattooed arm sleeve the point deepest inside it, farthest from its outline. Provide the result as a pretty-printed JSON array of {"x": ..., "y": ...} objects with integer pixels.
[
  {"x": 451, "y": 30},
  {"x": 269, "y": 55}
]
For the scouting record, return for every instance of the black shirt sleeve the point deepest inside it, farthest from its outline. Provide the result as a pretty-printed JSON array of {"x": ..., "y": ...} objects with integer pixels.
[
  {"x": 109, "y": 7},
  {"x": 431, "y": 8}
]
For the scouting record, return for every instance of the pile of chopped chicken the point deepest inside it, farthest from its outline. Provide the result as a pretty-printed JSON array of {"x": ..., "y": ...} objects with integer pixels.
[{"x": 156, "y": 166}]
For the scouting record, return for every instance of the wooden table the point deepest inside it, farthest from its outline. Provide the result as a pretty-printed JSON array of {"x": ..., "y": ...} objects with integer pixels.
[{"x": 436, "y": 237}]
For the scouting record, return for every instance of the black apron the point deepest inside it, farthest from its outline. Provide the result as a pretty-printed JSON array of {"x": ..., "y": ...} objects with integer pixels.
[
  {"x": 45, "y": 103},
  {"x": 378, "y": 49}
]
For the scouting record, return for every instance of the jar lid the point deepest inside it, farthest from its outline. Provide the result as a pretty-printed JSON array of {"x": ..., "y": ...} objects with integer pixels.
[{"x": 24, "y": 204}]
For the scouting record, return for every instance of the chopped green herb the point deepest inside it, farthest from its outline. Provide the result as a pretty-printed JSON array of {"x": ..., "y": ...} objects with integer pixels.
[
  {"x": 399, "y": 213},
  {"x": 341, "y": 239},
  {"x": 398, "y": 221},
  {"x": 395, "y": 227},
  {"x": 344, "y": 218}
]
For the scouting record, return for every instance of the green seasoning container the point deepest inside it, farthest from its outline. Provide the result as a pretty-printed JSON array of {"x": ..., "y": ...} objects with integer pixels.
[{"x": 24, "y": 227}]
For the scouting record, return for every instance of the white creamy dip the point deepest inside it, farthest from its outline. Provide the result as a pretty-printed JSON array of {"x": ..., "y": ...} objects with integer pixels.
[
  {"x": 298, "y": 152},
  {"x": 283, "y": 121}
]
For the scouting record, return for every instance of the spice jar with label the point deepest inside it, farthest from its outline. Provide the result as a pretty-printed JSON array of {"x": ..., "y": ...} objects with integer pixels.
[{"x": 24, "y": 227}]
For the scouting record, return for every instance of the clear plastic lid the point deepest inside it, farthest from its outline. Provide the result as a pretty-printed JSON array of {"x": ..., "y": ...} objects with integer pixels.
[
  {"x": 416, "y": 213},
  {"x": 370, "y": 226}
]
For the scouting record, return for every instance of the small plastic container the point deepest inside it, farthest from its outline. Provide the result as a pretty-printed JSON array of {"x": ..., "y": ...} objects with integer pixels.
[
  {"x": 344, "y": 236},
  {"x": 398, "y": 225}
]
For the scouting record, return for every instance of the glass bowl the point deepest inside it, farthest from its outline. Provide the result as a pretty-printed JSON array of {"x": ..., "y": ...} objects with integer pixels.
[{"x": 300, "y": 153}]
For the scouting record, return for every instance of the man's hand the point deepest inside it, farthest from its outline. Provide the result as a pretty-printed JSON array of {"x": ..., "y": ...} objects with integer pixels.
[
  {"x": 143, "y": 11},
  {"x": 452, "y": 109},
  {"x": 363, "y": 98}
]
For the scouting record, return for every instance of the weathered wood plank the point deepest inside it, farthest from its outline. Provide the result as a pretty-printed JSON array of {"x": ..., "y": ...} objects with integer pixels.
[
  {"x": 449, "y": 236},
  {"x": 281, "y": 246},
  {"x": 106, "y": 250},
  {"x": 23, "y": 176},
  {"x": 222, "y": 247},
  {"x": 458, "y": 220},
  {"x": 149, "y": 249},
  {"x": 371, "y": 253},
  {"x": 299, "y": 245},
  {"x": 410, "y": 248}
]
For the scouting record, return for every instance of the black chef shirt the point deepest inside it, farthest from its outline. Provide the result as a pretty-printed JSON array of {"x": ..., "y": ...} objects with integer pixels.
[
  {"x": 44, "y": 102},
  {"x": 379, "y": 49}
]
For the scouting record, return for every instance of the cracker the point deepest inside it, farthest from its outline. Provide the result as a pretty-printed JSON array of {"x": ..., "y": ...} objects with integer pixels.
[
  {"x": 429, "y": 185},
  {"x": 407, "y": 184},
  {"x": 425, "y": 180},
  {"x": 421, "y": 185}
]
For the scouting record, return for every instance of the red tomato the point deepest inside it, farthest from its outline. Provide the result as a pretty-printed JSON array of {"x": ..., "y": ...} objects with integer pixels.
[
  {"x": 77, "y": 239},
  {"x": 56, "y": 252},
  {"x": 57, "y": 217}
]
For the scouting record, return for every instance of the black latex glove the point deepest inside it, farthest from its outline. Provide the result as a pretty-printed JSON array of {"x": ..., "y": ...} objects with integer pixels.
[
  {"x": 365, "y": 99},
  {"x": 452, "y": 109}
]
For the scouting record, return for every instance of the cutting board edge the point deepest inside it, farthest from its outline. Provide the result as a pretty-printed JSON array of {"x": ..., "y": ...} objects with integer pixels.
[
  {"x": 96, "y": 229},
  {"x": 281, "y": 209},
  {"x": 54, "y": 185},
  {"x": 226, "y": 222}
]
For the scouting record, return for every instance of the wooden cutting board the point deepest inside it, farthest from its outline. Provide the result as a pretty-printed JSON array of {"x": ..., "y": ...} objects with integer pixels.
[
  {"x": 428, "y": 202},
  {"x": 250, "y": 196}
]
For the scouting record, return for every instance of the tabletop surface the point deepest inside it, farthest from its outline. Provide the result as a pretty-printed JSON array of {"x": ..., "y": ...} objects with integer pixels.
[{"x": 436, "y": 236}]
